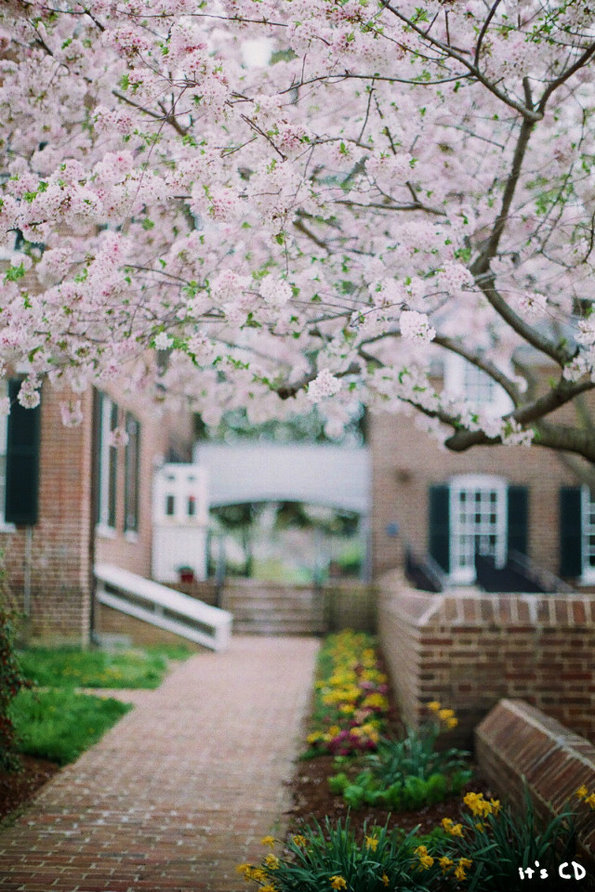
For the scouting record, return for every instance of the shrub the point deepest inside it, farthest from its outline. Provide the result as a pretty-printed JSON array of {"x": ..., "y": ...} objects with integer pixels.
[
  {"x": 11, "y": 682},
  {"x": 408, "y": 773},
  {"x": 321, "y": 859},
  {"x": 492, "y": 845}
]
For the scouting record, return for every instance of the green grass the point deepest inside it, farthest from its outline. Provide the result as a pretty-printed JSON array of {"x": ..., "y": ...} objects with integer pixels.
[
  {"x": 59, "y": 725},
  {"x": 66, "y": 667}
]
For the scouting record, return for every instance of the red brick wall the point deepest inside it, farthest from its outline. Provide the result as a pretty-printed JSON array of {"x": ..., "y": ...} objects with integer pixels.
[
  {"x": 60, "y": 542},
  {"x": 468, "y": 650},
  {"x": 406, "y": 461},
  {"x": 517, "y": 744}
]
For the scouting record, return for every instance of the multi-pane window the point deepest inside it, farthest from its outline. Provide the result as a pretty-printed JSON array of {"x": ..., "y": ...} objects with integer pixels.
[
  {"x": 478, "y": 387},
  {"x": 465, "y": 380},
  {"x": 131, "y": 474},
  {"x": 478, "y": 524},
  {"x": 107, "y": 463},
  {"x": 588, "y": 530}
]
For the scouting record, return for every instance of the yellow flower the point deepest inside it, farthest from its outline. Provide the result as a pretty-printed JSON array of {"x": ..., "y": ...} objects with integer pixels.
[
  {"x": 300, "y": 840},
  {"x": 452, "y": 828},
  {"x": 463, "y": 865},
  {"x": 590, "y": 801},
  {"x": 452, "y": 722},
  {"x": 371, "y": 843},
  {"x": 446, "y": 714},
  {"x": 268, "y": 888},
  {"x": 338, "y": 882},
  {"x": 434, "y": 705},
  {"x": 478, "y": 806},
  {"x": 445, "y": 863},
  {"x": 244, "y": 870},
  {"x": 268, "y": 841},
  {"x": 479, "y": 826},
  {"x": 271, "y": 861},
  {"x": 385, "y": 879},
  {"x": 425, "y": 859},
  {"x": 495, "y": 803},
  {"x": 582, "y": 792}
]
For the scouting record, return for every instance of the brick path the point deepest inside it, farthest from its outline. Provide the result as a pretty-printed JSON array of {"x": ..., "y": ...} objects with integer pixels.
[{"x": 181, "y": 790}]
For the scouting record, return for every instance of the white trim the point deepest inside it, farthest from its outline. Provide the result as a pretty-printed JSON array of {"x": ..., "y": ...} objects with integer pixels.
[
  {"x": 103, "y": 526},
  {"x": 455, "y": 385},
  {"x": 470, "y": 495},
  {"x": 4, "y": 527},
  {"x": 105, "y": 531}
]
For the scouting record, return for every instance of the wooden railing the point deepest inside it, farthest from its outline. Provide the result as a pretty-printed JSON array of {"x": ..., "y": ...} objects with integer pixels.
[{"x": 162, "y": 607}]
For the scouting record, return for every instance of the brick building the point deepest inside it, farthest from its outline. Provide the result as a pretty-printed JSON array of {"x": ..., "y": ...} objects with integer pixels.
[
  {"x": 490, "y": 500},
  {"x": 72, "y": 500}
]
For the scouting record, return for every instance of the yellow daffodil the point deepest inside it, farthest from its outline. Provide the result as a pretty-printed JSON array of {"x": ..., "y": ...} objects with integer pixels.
[
  {"x": 434, "y": 705},
  {"x": 268, "y": 841},
  {"x": 582, "y": 792},
  {"x": 590, "y": 801},
  {"x": 425, "y": 859},
  {"x": 463, "y": 865},
  {"x": 268, "y": 888},
  {"x": 385, "y": 879},
  {"x": 338, "y": 882},
  {"x": 300, "y": 840},
  {"x": 371, "y": 843},
  {"x": 271, "y": 861},
  {"x": 445, "y": 863},
  {"x": 446, "y": 714}
]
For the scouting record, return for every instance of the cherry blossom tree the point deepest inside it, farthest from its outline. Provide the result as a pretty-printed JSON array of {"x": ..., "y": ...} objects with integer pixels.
[{"x": 269, "y": 204}]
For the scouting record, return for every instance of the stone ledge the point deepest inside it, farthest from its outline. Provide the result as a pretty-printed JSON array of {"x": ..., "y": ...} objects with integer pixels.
[{"x": 517, "y": 743}]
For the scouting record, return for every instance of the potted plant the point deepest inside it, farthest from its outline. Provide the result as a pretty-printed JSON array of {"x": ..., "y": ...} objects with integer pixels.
[{"x": 186, "y": 573}]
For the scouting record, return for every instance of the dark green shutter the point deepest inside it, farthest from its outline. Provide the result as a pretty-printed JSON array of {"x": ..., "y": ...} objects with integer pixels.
[
  {"x": 518, "y": 519},
  {"x": 439, "y": 531},
  {"x": 571, "y": 532},
  {"x": 22, "y": 461}
]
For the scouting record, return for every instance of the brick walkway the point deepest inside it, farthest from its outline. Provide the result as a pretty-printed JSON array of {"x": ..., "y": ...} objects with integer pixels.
[{"x": 181, "y": 790}]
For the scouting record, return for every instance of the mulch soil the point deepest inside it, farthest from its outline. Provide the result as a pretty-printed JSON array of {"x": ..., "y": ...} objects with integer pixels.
[{"x": 18, "y": 787}]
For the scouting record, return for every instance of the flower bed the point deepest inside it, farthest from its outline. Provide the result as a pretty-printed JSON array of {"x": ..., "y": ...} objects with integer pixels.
[
  {"x": 351, "y": 704},
  {"x": 471, "y": 841}
]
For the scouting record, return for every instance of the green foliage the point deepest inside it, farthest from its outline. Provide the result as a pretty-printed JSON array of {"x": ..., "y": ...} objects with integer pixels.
[
  {"x": 71, "y": 667},
  {"x": 407, "y": 795},
  {"x": 11, "y": 682},
  {"x": 496, "y": 842},
  {"x": 406, "y": 774},
  {"x": 414, "y": 756},
  {"x": 59, "y": 725},
  {"x": 330, "y": 857}
]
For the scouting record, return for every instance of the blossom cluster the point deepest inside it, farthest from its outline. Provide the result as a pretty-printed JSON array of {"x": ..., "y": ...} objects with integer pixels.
[
  {"x": 322, "y": 219},
  {"x": 352, "y": 701}
]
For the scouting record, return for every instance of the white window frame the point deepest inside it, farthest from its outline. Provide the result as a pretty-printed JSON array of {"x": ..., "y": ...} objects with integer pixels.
[
  {"x": 107, "y": 454},
  {"x": 4, "y": 526},
  {"x": 587, "y": 531},
  {"x": 461, "y": 571},
  {"x": 132, "y": 477},
  {"x": 455, "y": 368}
]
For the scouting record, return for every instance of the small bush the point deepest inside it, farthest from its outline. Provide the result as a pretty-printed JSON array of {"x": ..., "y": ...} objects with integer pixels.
[
  {"x": 409, "y": 773},
  {"x": 491, "y": 845},
  {"x": 326, "y": 858},
  {"x": 11, "y": 682}
]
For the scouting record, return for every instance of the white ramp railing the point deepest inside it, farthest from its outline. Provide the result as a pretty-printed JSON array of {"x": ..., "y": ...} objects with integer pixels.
[{"x": 163, "y": 607}]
